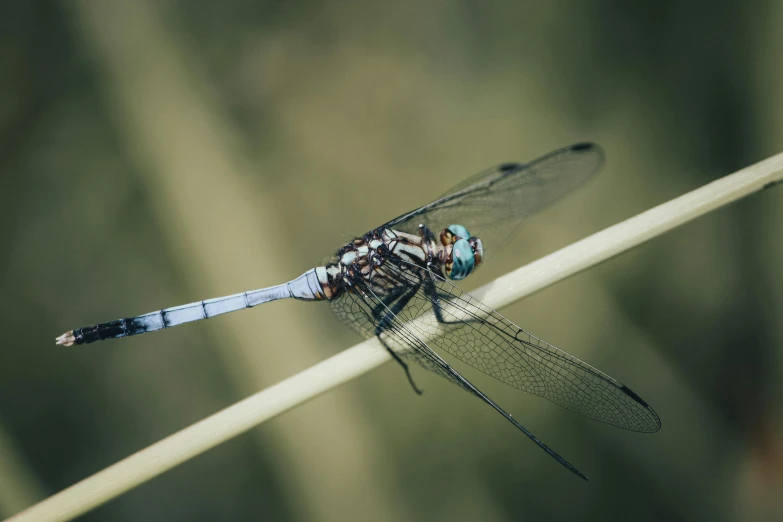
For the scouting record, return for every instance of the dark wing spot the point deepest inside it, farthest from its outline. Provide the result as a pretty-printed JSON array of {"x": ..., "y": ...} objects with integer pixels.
[
  {"x": 582, "y": 146},
  {"x": 508, "y": 166},
  {"x": 632, "y": 394}
]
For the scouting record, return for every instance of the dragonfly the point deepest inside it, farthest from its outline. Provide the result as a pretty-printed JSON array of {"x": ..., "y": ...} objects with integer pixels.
[{"x": 394, "y": 283}]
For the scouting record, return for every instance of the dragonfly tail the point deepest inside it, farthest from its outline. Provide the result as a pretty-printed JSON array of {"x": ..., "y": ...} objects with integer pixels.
[{"x": 306, "y": 287}]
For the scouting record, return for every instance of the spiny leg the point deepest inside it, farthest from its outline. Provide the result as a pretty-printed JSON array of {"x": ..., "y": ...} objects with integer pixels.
[
  {"x": 386, "y": 301},
  {"x": 384, "y": 319},
  {"x": 431, "y": 291},
  {"x": 404, "y": 366},
  {"x": 435, "y": 296}
]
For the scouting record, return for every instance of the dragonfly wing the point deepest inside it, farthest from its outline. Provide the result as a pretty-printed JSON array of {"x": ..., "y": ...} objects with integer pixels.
[
  {"x": 358, "y": 311},
  {"x": 493, "y": 203},
  {"x": 484, "y": 339}
]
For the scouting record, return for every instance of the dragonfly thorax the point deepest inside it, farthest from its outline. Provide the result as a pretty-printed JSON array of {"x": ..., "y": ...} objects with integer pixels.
[
  {"x": 373, "y": 259},
  {"x": 361, "y": 262}
]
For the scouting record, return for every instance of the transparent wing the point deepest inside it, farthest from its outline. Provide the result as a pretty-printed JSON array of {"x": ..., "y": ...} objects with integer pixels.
[
  {"x": 493, "y": 203},
  {"x": 360, "y": 311},
  {"x": 357, "y": 312},
  {"x": 482, "y": 338}
]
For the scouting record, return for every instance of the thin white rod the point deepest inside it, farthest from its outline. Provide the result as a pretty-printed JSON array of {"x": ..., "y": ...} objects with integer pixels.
[{"x": 243, "y": 415}]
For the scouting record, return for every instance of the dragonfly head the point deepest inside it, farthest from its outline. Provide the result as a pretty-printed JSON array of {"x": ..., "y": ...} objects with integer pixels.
[{"x": 463, "y": 253}]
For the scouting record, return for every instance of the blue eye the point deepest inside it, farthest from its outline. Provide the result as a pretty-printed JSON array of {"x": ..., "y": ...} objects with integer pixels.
[
  {"x": 462, "y": 262},
  {"x": 459, "y": 230}
]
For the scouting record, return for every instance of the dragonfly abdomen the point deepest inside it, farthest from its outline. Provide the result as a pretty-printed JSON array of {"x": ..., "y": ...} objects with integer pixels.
[{"x": 306, "y": 287}]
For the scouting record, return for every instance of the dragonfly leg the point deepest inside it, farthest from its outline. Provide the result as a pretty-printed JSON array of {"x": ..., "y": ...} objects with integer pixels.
[
  {"x": 432, "y": 293},
  {"x": 386, "y": 302},
  {"x": 385, "y": 319},
  {"x": 404, "y": 366}
]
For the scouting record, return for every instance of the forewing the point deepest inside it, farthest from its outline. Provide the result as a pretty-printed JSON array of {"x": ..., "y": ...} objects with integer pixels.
[
  {"x": 492, "y": 204},
  {"x": 482, "y": 338},
  {"x": 357, "y": 310}
]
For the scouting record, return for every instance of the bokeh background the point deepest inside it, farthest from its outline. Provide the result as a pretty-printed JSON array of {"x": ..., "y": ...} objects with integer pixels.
[{"x": 157, "y": 153}]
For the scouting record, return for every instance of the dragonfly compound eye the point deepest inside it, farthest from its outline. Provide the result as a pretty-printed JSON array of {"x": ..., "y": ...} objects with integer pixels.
[
  {"x": 462, "y": 260},
  {"x": 459, "y": 231}
]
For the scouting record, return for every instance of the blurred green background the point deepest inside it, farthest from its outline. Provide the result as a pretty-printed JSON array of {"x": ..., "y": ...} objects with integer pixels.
[{"x": 157, "y": 153}]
